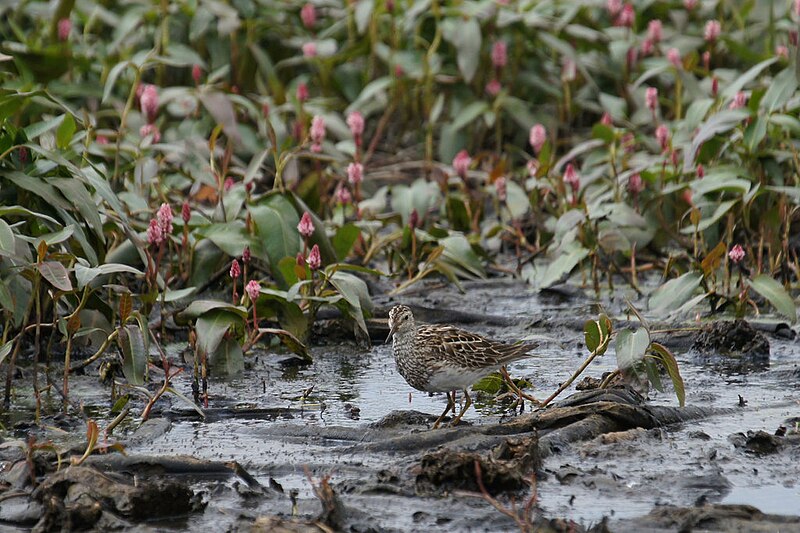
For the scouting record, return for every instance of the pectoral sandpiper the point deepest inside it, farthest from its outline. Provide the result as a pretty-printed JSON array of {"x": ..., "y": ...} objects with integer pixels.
[{"x": 441, "y": 358}]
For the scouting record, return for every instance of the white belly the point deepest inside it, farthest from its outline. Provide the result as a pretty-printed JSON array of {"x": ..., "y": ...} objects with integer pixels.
[{"x": 449, "y": 379}]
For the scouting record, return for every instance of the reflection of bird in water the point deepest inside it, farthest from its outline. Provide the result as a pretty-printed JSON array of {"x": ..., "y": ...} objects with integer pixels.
[{"x": 441, "y": 358}]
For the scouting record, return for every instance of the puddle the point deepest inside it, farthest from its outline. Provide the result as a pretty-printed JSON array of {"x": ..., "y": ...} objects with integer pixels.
[{"x": 772, "y": 499}]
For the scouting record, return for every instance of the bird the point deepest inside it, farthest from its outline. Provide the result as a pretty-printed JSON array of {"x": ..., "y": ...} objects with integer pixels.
[{"x": 443, "y": 358}]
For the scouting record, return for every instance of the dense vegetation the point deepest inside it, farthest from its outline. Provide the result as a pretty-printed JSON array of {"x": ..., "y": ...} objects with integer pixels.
[{"x": 153, "y": 153}]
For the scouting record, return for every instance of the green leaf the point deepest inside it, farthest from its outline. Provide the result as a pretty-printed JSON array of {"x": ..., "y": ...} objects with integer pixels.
[
  {"x": 276, "y": 222},
  {"x": 746, "y": 78},
  {"x": 592, "y": 335},
  {"x": 132, "y": 343},
  {"x": 356, "y": 294},
  {"x": 780, "y": 90},
  {"x": 561, "y": 267},
  {"x": 344, "y": 240},
  {"x": 85, "y": 275},
  {"x": 468, "y": 115},
  {"x": 65, "y": 132},
  {"x": 459, "y": 253},
  {"x": 5, "y": 350},
  {"x": 212, "y": 326},
  {"x": 719, "y": 123},
  {"x": 56, "y": 274},
  {"x": 631, "y": 347},
  {"x": 290, "y": 341},
  {"x": 7, "y": 241},
  {"x": 200, "y": 307},
  {"x": 465, "y": 36},
  {"x": 706, "y": 223},
  {"x": 665, "y": 357},
  {"x": 674, "y": 293},
  {"x": 363, "y": 13},
  {"x": 227, "y": 358},
  {"x": 755, "y": 133},
  {"x": 774, "y": 292}
]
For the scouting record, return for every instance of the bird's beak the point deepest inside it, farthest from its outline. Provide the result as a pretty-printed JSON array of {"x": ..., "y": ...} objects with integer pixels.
[{"x": 392, "y": 329}]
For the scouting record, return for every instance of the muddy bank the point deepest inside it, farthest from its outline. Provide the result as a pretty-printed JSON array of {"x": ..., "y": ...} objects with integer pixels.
[{"x": 275, "y": 437}]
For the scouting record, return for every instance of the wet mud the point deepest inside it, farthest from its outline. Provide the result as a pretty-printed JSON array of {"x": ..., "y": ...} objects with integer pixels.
[{"x": 343, "y": 444}]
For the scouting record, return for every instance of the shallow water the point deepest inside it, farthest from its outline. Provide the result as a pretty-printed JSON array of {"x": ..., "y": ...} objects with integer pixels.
[{"x": 354, "y": 387}]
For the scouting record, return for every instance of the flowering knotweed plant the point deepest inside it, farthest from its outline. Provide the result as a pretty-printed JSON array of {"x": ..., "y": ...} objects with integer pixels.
[
  {"x": 306, "y": 225},
  {"x": 461, "y": 163},
  {"x": 317, "y": 133}
]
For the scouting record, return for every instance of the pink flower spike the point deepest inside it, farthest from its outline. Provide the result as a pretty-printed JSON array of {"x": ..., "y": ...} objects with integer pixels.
[
  {"x": 461, "y": 163},
  {"x": 150, "y": 129},
  {"x": 302, "y": 92},
  {"x": 355, "y": 173},
  {"x": 499, "y": 54},
  {"x": 186, "y": 212},
  {"x": 308, "y": 14},
  {"x": 165, "y": 217},
  {"x": 500, "y": 188},
  {"x": 701, "y": 172},
  {"x": 149, "y": 102},
  {"x": 355, "y": 121},
  {"x": 253, "y": 289},
  {"x": 712, "y": 31},
  {"x": 343, "y": 196},
  {"x": 154, "y": 233},
  {"x": 647, "y": 47},
  {"x": 317, "y": 133},
  {"x": 197, "y": 73},
  {"x": 689, "y": 4},
  {"x": 627, "y": 16},
  {"x": 537, "y": 137},
  {"x": 493, "y": 88},
  {"x": 613, "y": 7},
  {"x": 228, "y": 183},
  {"x": 714, "y": 87},
  {"x": 796, "y": 8},
  {"x": 236, "y": 270},
  {"x": 654, "y": 30},
  {"x": 572, "y": 178},
  {"x": 782, "y": 51},
  {"x": 674, "y": 57},
  {"x": 413, "y": 219},
  {"x": 314, "y": 260},
  {"x": 306, "y": 225},
  {"x": 635, "y": 184},
  {"x": 606, "y": 119},
  {"x": 64, "y": 29},
  {"x": 651, "y": 98},
  {"x": 246, "y": 255},
  {"x": 736, "y": 254},
  {"x": 662, "y": 136},
  {"x": 310, "y": 49},
  {"x": 739, "y": 101}
]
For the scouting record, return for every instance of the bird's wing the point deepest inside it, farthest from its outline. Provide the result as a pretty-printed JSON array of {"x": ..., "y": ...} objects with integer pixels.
[{"x": 470, "y": 350}]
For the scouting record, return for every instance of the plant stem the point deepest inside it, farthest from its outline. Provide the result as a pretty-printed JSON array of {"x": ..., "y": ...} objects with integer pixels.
[{"x": 574, "y": 376}]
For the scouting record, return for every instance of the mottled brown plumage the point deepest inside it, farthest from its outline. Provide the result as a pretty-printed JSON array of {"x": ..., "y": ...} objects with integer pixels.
[{"x": 441, "y": 358}]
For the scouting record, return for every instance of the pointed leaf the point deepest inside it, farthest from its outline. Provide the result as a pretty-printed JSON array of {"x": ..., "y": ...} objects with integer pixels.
[
  {"x": 133, "y": 345},
  {"x": 65, "y": 131},
  {"x": 631, "y": 347},
  {"x": 674, "y": 293},
  {"x": 671, "y": 364},
  {"x": 56, "y": 274},
  {"x": 776, "y": 295}
]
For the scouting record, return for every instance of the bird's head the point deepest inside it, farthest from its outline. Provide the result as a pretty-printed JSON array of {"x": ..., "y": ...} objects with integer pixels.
[{"x": 401, "y": 320}]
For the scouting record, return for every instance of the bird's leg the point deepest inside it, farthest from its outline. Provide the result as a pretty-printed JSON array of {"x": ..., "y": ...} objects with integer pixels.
[
  {"x": 451, "y": 404},
  {"x": 467, "y": 403},
  {"x": 513, "y": 386}
]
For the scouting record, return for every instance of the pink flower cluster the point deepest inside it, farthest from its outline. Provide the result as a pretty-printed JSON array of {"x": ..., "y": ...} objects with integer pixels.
[
  {"x": 537, "y": 137},
  {"x": 317, "y": 133},
  {"x": 161, "y": 226},
  {"x": 314, "y": 259},
  {"x": 306, "y": 225},
  {"x": 461, "y": 163},
  {"x": 737, "y": 253}
]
